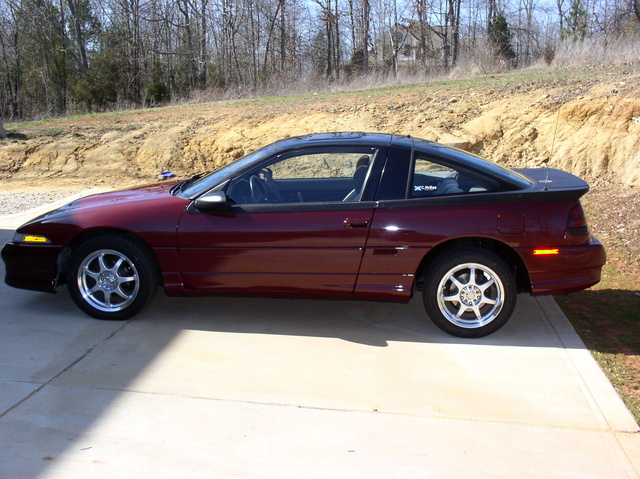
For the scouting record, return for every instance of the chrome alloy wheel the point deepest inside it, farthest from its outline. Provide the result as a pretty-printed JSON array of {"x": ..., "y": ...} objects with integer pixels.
[
  {"x": 470, "y": 295},
  {"x": 108, "y": 280}
]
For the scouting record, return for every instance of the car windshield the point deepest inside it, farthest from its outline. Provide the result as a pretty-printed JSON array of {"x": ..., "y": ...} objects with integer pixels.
[{"x": 200, "y": 184}]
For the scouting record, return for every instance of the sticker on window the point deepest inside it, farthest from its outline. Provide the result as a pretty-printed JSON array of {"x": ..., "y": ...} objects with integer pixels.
[{"x": 425, "y": 188}]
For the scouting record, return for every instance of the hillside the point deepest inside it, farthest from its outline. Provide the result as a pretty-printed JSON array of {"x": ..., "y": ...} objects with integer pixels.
[{"x": 586, "y": 122}]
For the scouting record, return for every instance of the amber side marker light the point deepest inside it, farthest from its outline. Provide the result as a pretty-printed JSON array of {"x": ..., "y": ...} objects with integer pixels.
[
  {"x": 35, "y": 239},
  {"x": 25, "y": 238},
  {"x": 546, "y": 252}
]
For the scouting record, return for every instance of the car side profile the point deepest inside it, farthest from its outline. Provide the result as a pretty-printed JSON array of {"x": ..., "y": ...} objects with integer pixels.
[{"x": 338, "y": 216}]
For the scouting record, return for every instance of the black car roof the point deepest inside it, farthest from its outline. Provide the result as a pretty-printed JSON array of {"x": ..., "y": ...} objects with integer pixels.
[{"x": 354, "y": 138}]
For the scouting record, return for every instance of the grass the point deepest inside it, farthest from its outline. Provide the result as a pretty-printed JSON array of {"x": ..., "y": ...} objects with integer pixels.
[
  {"x": 506, "y": 82},
  {"x": 607, "y": 316},
  {"x": 607, "y": 322}
]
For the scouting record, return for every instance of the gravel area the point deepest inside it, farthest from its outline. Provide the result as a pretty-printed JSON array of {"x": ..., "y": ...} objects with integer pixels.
[{"x": 11, "y": 203}]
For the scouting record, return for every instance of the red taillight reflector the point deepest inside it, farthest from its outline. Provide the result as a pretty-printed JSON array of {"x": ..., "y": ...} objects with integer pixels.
[
  {"x": 546, "y": 252},
  {"x": 577, "y": 223}
]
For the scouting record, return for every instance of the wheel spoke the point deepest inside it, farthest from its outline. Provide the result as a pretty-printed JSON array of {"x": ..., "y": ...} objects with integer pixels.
[
  {"x": 484, "y": 286},
  {"x": 107, "y": 298},
  {"x": 91, "y": 274},
  {"x": 122, "y": 294},
  {"x": 457, "y": 283},
  {"x": 472, "y": 277},
  {"x": 126, "y": 279},
  {"x": 454, "y": 297},
  {"x": 102, "y": 264},
  {"x": 463, "y": 309},
  {"x": 486, "y": 300}
]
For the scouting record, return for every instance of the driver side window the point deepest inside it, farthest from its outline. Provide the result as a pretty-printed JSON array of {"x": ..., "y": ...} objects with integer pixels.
[{"x": 305, "y": 178}]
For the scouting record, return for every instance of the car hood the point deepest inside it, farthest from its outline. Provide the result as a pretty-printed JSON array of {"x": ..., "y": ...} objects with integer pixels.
[
  {"x": 119, "y": 209},
  {"x": 133, "y": 195}
]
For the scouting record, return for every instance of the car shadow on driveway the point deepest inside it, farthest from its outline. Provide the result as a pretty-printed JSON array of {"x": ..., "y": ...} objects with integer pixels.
[{"x": 362, "y": 322}]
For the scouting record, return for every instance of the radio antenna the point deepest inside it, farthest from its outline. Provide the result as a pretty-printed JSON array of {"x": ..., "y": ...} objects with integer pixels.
[{"x": 553, "y": 146}]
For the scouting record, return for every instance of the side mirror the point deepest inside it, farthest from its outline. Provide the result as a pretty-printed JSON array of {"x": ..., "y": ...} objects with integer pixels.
[{"x": 216, "y": 201}]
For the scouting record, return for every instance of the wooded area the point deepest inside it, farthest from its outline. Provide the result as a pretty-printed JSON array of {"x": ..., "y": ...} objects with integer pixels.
[{"x": 62, "y": 56}]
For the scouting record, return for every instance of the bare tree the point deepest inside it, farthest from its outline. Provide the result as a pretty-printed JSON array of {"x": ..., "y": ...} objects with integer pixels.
[
  {"x": 79, "y": 33},
  {"x": 366, "y": 18},
  {"x": 395, "y": 41},
  {"x": 525, "y": 31},
  {"x": 421, "y": 10},
  {"x": 452, "y": 33},
  {"x": 204, "y": 54},
  {"x": 560, "y": 5},
  {"x": 185, "y": 9},
  {"x": 330, "y": 15}
]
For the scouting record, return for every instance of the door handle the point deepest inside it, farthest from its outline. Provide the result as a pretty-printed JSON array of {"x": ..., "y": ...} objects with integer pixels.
[{"x": 351, "y": 223}]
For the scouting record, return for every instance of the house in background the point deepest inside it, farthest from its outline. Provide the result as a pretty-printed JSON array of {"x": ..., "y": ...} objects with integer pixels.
[{"x": 400, "y": 45}]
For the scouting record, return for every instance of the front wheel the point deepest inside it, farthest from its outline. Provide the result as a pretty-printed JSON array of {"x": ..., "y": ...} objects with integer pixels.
[
  {"x": 112, "y": 277},
  {"x": 469, "y": 293}
]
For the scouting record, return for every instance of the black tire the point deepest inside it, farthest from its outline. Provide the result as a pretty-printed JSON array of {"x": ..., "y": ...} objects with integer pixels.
[
  {"x": 469, "y": 293},
  {"x": 112, "y": 277}
]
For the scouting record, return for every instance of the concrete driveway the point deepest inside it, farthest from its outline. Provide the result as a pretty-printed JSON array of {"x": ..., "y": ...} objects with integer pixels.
[{"x": 260, "y": 388}]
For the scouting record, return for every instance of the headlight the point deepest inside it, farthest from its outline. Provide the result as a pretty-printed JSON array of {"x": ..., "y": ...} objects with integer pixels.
[{"x": 30, "y": 239}]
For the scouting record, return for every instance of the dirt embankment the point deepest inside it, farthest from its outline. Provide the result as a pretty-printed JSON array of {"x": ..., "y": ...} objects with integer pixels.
[{"x": 589, "y": 125}]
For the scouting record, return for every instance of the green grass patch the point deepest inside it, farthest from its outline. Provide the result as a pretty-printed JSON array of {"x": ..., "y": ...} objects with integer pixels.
[{"x": 608, "y": 322}]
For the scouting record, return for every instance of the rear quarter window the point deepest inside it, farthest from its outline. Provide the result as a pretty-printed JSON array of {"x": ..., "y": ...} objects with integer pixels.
[{"x": 431, "y": 178}]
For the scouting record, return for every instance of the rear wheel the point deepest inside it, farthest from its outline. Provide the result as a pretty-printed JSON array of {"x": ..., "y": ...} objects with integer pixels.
[
  {"x": 469, "y": 293},
  {"x": 112, "y": 277}
]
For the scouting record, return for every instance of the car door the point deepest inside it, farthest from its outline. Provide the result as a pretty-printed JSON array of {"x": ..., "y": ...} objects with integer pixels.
[
  {"x": 293, "y": 227},
  {"x": 423, "y": 199}
]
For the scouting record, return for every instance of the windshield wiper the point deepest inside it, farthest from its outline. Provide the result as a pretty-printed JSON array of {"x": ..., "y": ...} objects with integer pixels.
[{"x": 183, "y": 184}]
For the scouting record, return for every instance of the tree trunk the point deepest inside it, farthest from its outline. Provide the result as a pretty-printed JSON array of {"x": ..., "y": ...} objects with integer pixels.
[
  {"x": 283, "y": 36},
  {"x": 3, "y": 133},
  {"x": 365, "y": 35},
  {"x": 191, "y": 54},
  {"x": 492, "y": 11},
  {"x": 84, "y": 62},
  {"x": 204, "y": 57},
  {"x": 422, "y": 46}
]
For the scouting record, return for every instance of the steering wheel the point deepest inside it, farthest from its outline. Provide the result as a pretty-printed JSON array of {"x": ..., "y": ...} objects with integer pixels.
[{"x": 259, "y": 190}]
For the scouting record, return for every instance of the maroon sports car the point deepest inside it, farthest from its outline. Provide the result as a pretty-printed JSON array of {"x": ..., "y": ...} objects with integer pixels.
[{"x": 342, "y": 215}]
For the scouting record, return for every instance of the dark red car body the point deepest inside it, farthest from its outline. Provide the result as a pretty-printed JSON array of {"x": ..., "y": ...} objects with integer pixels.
[{"x": 376, "y": 248}]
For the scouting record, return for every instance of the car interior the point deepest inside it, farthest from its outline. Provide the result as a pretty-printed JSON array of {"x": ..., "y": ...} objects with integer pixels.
[
  {"x": 335, "y": 176},
  {"x": 304, "y": 179},
  {"x": 433, "y": 179}
]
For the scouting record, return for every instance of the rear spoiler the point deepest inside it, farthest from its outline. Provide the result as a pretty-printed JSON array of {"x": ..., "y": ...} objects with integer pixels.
[{"x": 555, "y": 184}]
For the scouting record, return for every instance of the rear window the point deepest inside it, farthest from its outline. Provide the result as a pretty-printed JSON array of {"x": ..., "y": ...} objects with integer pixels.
[{"x": 481, "y": 164}]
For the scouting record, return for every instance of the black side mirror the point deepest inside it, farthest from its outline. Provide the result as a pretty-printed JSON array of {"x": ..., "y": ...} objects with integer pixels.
[{"x": 216, "y": 201}]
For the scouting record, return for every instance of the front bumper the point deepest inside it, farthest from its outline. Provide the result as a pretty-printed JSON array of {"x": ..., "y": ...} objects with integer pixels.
[
  {"x": 574, "y": 268},
  {"x": 31, "y": 267}
]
